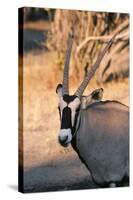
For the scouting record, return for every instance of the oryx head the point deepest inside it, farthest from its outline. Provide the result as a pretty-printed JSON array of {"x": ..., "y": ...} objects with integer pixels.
[{"x": 69, "y": 105}]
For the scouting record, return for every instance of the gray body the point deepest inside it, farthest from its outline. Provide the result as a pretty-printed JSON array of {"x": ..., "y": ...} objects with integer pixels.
[{"x": 102, "y": 141}]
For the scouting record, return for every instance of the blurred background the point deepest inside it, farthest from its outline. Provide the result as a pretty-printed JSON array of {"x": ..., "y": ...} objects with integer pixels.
[{"x": 47, "y": 165}]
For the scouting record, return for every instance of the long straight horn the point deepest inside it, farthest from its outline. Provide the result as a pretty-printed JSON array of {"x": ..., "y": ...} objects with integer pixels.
[
  {"x": 66, "y": 65},
  {"x": 91, "y": 72}
]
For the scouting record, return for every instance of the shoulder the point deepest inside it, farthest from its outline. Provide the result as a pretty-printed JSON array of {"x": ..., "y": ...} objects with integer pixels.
[{"x": 108, "y": 104}]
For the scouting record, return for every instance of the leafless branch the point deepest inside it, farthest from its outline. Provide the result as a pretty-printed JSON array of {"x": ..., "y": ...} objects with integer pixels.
[{"x": 122, "y": 36}]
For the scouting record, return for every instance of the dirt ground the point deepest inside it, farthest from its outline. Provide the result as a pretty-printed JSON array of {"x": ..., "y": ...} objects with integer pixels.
[{"x": 47, "y": 165}]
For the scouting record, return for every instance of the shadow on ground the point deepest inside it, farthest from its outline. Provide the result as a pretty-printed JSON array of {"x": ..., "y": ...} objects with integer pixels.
[
  {"x": 13, "y": 187},
  {"x": 58, "y": 175}
]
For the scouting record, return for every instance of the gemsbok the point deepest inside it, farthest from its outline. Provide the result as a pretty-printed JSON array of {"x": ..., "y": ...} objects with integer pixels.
[{"x": 97, "y": 130}]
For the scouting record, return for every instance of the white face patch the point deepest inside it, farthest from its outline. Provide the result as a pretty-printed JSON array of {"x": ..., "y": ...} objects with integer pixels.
[
  {"x": 74, "y": 105},
  {"x": 65, "y": 136}
]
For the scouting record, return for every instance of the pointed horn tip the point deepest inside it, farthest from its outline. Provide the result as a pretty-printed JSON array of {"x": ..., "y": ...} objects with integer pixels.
[{"x": 71, "y": 34}]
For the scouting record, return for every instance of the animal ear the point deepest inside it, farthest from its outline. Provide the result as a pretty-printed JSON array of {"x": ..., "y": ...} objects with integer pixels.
[
  {"x": 59, "y": 90},
  {"x": 95, "y": 96}
]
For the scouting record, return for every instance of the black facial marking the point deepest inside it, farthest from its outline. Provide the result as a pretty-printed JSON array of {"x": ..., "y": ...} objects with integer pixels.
[
  {"x": 66, "y": 121},
  {"x": 68, "y": 98},
  {"x": 77, "y": 110},
  {"x": 66, "y": 118},
  {"x": 59, "y": 112}
]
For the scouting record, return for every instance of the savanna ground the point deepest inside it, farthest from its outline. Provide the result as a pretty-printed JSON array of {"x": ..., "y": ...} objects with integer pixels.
[{"x": 47, "y": 165}]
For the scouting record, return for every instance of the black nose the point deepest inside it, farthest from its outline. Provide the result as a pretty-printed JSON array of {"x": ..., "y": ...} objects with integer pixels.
[{"x": 63, "y": 139}]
